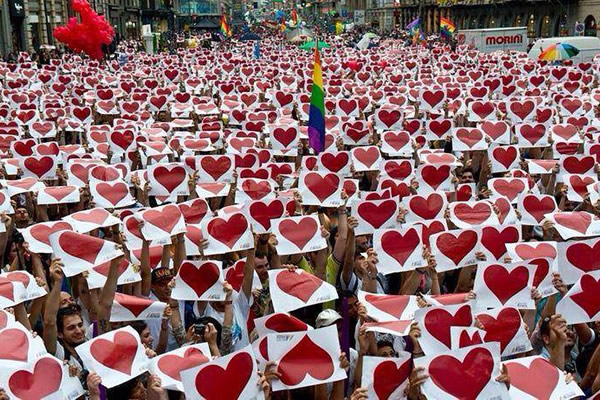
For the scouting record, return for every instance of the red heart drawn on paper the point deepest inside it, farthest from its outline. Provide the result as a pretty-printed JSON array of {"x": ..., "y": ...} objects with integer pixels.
[
  {"x": 113, "y": 192},
  {"x": 400, "y": 246},
  {"x": 215, "y": 167},
  {"x": 201, "y": 278},
  {"x": 396, "y": 140},
  {"x": 473, "y": 215},
  {"x": 426, "y": 208},
  {"x": 171, "y": 178},
  {"x": 117, "y": 354},
  {"x": 470, "y": 137},
  {"x": 584, "y": 256},
  {"x": 438, "y": 322},
  {"x": 377, "y": 214},
  {"x": 387, "y": 377},
  {"x": 367, "y": 156},
  {"x": 538, "y": 380},
  {"x": 504, "y": 284},
  {"x": 509, "y": 188},
  {"x": 16, "y": 345},
  {"x": 539, "y": 207},
  {"x": 235, "y": 275},
  {"x": 80, "y": 246},
  {"x": 104, "y": 268},
  {"x": 435, "y": 176},
  {"x": 135, "y": 304},
  {"x": 39, "y": 166},
  {"x": 398, "y": 169},
  {"x": 463, "y": 380},
  {"x": 495, "y": 241},
  {"x": 43, "y": 381},
  {"x": 59, "y": 192},
  {"x": 7, "y": 288},
  {"x": 322, "y": 186},
  {"x": 501, "y": 329},
  {"x": 455, "y": 247},
  {"x": 263, "y": 213},
  {"x": 164, "y": 219},
  {"x": 390, "y": 304},
  {"x": 587, "y": 299},
  {"x": 283, "y": 323},
  {"x": 172, "y": 365},
  {"x": 256, "y": 190},
  {"x": 577, "y": 221},
  {"x": 228, "y": 231},
  {"x": 505, "y": 155},
  {"x": 40, "y": 232},
  {"x": 96, "y": 216},
  {"x": 194, "y": 212},
  {"x": 526, "y": 251},
  {"x": 305, "y": 358},
  {"x": 465, "y": 340},
  {"x": 301, "y": 285},
  {"x": 216, "y": 382},
  {"x": 533, "y": 133},
  {"x": 299, "y": 233},
  {"x": 335, "y": 162},
  {"x": 285, "y": 136}
]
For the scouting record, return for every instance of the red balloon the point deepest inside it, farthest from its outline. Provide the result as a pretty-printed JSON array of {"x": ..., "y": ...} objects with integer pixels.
[{"x": 88, "y": 36}]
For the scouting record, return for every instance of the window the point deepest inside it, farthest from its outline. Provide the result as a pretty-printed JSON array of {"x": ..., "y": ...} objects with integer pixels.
[
  {"x": 545, "y": 30},
  {"x": 531, "y": 26}
]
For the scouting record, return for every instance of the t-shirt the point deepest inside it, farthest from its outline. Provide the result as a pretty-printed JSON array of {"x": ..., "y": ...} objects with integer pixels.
[
  {"x": 154, "y": 325},
  {"x": 239, "y": 331}
]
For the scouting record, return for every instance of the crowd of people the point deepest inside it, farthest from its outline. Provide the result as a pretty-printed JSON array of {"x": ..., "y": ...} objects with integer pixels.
[{"x": 181, "y": 106}]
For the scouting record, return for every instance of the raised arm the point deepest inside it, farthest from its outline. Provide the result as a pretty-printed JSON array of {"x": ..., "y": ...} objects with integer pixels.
[
  {"x": 108, "y": 294},
  {"x": 52, "y": 304}
]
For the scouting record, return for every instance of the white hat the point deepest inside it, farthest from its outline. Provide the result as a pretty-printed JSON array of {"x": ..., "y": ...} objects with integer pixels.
[{"x": 327, "y": 317}]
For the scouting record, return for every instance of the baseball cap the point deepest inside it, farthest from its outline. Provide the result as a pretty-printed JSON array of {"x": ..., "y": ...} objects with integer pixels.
[
  {"x": 327, "y": 317},
  {"x": 158, "y": 274}
]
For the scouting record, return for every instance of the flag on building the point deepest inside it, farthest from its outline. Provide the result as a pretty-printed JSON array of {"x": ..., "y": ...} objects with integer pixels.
[
  {"x": 225, "y": 30},
  {"x": 447, "y": 28},
  {"x": 316, "y": 116},
  {"x": 414, "y": 28},
  {"x": 257, "y": 50}
]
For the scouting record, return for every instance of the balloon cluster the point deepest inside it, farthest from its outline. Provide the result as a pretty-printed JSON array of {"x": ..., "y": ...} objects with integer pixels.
[{"x": 87, "y": 36}]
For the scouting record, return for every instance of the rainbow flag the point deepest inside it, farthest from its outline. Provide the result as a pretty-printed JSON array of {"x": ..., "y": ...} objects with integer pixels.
[
  {"x": 282, "y": 24},
  {"x": 224, "y": 27},
  {"x": 316, "y": 116},
  {"x": 447, "y": 28},
  {"x": 294, "y": 17}
]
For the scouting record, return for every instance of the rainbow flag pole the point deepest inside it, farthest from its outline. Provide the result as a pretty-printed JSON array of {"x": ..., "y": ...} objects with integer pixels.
[
  {"x": 316, "y": 116},
  {"x": 225, "y": 30},
  {"x": 447, "y": 28}
]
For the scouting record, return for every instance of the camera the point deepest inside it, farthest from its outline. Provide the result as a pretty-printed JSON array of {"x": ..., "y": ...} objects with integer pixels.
[{"x": 199, "y": 329}]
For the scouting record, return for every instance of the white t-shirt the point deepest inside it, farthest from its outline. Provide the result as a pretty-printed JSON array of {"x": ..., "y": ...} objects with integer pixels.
[
  {"x": 154, "y": 325},
  {"x": 241, "y": 308}
]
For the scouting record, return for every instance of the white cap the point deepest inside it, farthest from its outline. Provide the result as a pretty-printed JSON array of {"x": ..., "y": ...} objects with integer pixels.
[{"x": 327, "y": 317}]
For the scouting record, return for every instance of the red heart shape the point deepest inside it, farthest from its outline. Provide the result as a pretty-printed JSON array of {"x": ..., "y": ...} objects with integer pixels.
[
  {"x": 301, "y": 285},
  {"x": 113, "y": 192},
  {"x": 495, "y": 241},
  {"x": 39, "y": 166},
  {"x": 304, "y": 358},
  {"x": 170, "y": 178},
  {"x": 466, "y": 379},
  {"x": 426, "y": 208},
  {"x": 228, "y": 231},
  {"x": 215, "y": 382},
  {"x": 80, "y": 246},
  {"x": 215, "y": 167},
  {"x": 201, "y": 278},
  {"x": 377, "y": 214},
  {"x": 501, "y": 329},
  {"x": 400, "y": 246},
  {"x": 504, "y": 284},
  {"x": 16, "y": 345},
  {"x": 538, "y": 380},
  {"x": 473, "y": 215},
  {"x": 172, "y": 365},
  {"x": 390, "y": 304},
  {"x": 164, "y": 219},
  {"x": 117, "y": 354},
  {"x": 387, "y": 377},
  {"x": 322, "y": 186},
  {"x": 40, "y": 232},
  {"x": 584, "y": 256},
  {"x": 456, "y": 247},
  {"x": 438, "y": 322},
  {"x": 283, "y": 323},
  {"x": 577, "y": 221},
  {"x": 263, "y": 213},
  {"x": 587, "y": 299},
  {"x": 43, "y": 381},
  {"x": 539, "y": 207},
  {"x": 135, "y": 304}
]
